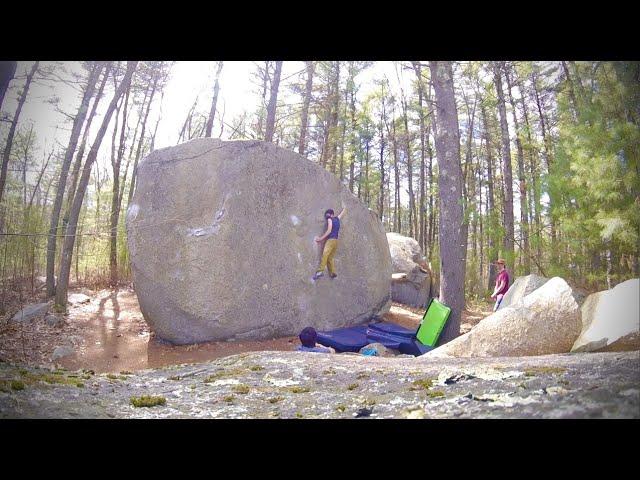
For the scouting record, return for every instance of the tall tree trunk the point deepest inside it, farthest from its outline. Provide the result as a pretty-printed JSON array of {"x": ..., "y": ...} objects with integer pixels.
[
  {"x": 78, "y": 121},
  {"x": 491, "y": 206},
  {"x": 115, "y": 197},
  {"x": 334, "y": 119},
  {"x": 407, "y": 148},
  {"x": 534, "y": 197},
  {"x": 452, "y": 266},
  {"x": 547, "y": 158},
  {"x": 524, "y": 216},
  {"x": 421, "y": 237},
  {"x": 79, "y": 156},
  {"x": 383, "y": 121},
  {"x": 134, "y": 174},
  {"x": 397, "y": 221},
  {"x": 506, "y": 163},
  {"x": 7, "y": 71},
  {"x": 431, "y": 226},
  {"x": 304, "y": 120},
  {"x": 352, "y": 108},
  {"x": 273, "y": 101},
  {"x": 367, "y": 146},
  {"x": 65, "y": 267},
  {"x": 12, "y": 131},
  {"x": 214, "y": 101}
]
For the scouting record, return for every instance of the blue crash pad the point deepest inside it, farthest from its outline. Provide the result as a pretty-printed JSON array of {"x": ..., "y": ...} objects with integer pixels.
[
  {"x": 393, "y": 329},
  {"x": 350, "y": 339}
]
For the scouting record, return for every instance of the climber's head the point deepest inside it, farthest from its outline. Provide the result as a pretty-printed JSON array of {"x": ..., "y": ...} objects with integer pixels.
[
  {"x": 308, "y": 337},
  {"x": 328, "y": 213}
]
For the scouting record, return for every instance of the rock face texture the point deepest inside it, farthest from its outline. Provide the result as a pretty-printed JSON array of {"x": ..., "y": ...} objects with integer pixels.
[
  {"x": 411, "y": 284},
  {"x": 544, "y": 322},
  {"x": 310, "y": 385},
  {"x": 522, "y": 286},
  {"x": 221, "y": 237},
  {"x": 611, "y": 319}
]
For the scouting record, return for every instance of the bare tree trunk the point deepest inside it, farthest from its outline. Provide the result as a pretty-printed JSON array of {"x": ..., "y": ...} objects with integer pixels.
[
  {"x": 352, "y": 108},
  {"x": 12, "y": 131},
  {"x": 397, "y": 221},
  {"x": 304, "y": 120},
  {"x": 547, "y": 158},
  {"x": 65, "y": 267},
  {"x": 491, "y": 206},
  {"x": 506, "y": 161},
  {"x": 64, "y": 173},
  {"x": 421, "y": 237},
  {"x": 334, "y": 118},
  {"x": 273, "y": 102},
  {"x": 524, "y": 220},
  {"x": 383, "y": 121},
  {"x": 534, "y": 197},
  {"x": 79, "y": 156},
  {"x": 432, "y": 226},
  {"x": 214, "y": 101},
  {"x": 343, "y": 137},
  {"x": 141, "y": 139},
  {"x": 452, "y": 266},
  {"x": 115, "y": 197},
  {"x": 407, "y": 148},
  {"x": 7, "y": 71},
  {"x": 40, "y": 175}
]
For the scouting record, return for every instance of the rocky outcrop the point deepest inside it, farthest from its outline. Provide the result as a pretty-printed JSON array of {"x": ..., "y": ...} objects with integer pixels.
[
  {"x": 544, "y": 322},
  {"x": 31, "y": 312},
  {"x": 610, "y": 319},
  {"x": 411, "y": 280},
  {"x": 61, "y": 352},
  {"x": 308, "y": 385},
  {"x": 221, "y": 239},
  {"x": 522, "y": 286}
]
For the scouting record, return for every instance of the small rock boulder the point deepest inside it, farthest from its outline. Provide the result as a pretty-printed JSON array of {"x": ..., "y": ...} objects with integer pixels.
[
  {"x": 522, "y": 286},
  {"x": 611, "y": 319},
  {"x": 544, "y": 322},
  {"x": 77, "y": 298},
  {"x": 31, "y": 312},
  {"x": 54, "y": 320},
  {"x": 61, "y": 352},
  {"x": 411, "y": 280}
]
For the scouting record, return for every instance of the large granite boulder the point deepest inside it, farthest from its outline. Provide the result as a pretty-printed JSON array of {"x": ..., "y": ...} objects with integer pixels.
[
  {"x": 522, "y": 286},
  {"x": 610, "y": 319},
  {"x": 411, "y": 280},
  {"x": 221, "y": 238},
  {"x": 544, "y": 322},
  {"x": 31, "y": 312}
]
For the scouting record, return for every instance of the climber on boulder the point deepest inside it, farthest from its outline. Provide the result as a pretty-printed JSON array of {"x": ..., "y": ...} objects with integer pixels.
[{"x": 329, "y": 251}]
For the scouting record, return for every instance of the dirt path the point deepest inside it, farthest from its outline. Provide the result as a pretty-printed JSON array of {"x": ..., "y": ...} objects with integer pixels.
[{"x": 109, "y": 334}]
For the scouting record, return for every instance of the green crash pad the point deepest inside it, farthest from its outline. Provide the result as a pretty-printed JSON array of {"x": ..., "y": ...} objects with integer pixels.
[{"x": 432, "y": 323}]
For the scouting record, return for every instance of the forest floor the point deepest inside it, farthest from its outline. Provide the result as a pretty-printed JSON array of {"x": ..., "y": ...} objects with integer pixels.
[{"x": 110, "y": 335}]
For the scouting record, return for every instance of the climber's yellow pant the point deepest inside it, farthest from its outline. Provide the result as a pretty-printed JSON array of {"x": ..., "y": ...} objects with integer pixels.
[{"x": 329, "y": 251}]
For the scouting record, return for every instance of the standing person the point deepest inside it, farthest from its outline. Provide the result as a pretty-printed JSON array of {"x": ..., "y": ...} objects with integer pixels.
[
  {"x": 502, "y": 283},
  {"x": 331, "y": 235}
]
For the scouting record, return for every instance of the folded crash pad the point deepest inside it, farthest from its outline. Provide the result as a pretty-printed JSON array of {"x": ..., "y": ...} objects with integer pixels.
[
  {"x": 432, "y": 323},
  {"x": 350, "y": 339}
]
